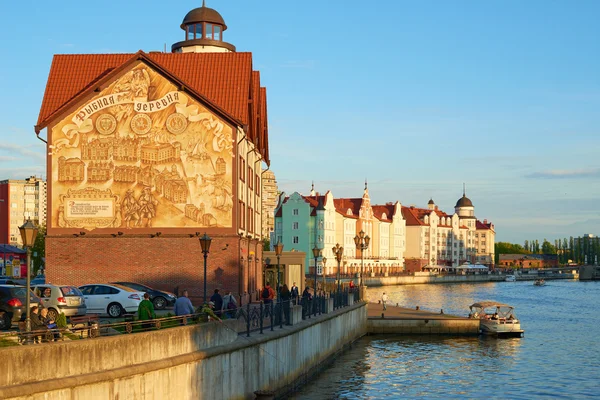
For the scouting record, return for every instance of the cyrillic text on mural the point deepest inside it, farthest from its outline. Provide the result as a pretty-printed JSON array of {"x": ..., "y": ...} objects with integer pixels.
[{"x": 161, "y": 153}]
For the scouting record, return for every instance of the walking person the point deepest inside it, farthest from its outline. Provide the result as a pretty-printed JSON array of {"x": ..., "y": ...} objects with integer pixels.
[
  {"x": 286, "y": 297},
  {"x": 218, "y": 300},
  {"x": 146, "y": 311},
  {"x": 384, "y": 300},
  {"x": 229, "y": 305},
  {"x": 268, "y": 294},
  {"x": 294, "y": 293},
  {"x": 183, "y": 305}
]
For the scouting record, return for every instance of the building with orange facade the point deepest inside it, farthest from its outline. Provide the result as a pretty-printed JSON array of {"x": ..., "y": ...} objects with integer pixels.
[{"x": 149, "y": 151}]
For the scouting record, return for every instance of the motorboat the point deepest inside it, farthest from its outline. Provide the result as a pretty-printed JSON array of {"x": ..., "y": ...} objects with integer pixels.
[
  {"x": 496, "y": 319},
  {"x": 510, "y": 278},
  {"x": 539, "y": 282}
]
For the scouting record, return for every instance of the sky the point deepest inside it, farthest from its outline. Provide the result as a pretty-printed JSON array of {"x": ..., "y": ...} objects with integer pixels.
[{"x": 415, "y": 97}]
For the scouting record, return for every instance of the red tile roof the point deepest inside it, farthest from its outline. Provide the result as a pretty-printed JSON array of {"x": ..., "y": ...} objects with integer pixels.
[
  {"x": 481, "y": 225},
  {"x": 226, "y": 80},
  {"x": 342, "y": 206},
  {"x": 411, "y": 216},
  {"x": 388, "y": 209}
]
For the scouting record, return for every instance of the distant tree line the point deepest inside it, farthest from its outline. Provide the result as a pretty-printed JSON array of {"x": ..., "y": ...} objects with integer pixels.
[{"x": 568, "y": 250}]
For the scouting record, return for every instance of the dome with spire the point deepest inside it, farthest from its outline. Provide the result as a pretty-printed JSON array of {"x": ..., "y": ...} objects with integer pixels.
[
  {"x": 431, "y": 202},
  {"x": 203, "y": 29},
  {"x": 464, "y": 201},
  {"x": 203, "y": 14}
]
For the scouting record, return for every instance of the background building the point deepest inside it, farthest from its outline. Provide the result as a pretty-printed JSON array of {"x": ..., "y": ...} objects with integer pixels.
[
  {"x": 303, "y": 222},
  {"x": 269, "y": 202},
  {"x": 437, "y": 238},
  {"x": 20, "y": 200},
  {"x": 149, "y": 151}
]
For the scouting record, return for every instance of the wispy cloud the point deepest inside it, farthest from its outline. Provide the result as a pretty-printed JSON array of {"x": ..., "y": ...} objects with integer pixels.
[
  {"x": 7, "y": 158},
  {"x": 566, "y": 174},
  {"x": 26, "y": 151}
]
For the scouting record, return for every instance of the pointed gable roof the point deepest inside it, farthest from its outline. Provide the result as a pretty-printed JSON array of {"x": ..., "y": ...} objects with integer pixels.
[
  {"x": 224, "y": 80},
  {"x": 411, "y": 215}
]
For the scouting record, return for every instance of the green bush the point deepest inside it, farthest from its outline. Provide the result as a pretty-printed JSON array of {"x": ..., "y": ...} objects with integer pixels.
[{"x": 61, "y": 321}]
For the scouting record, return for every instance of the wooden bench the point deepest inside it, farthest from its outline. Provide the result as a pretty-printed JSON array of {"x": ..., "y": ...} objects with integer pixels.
[
  {"x": 91, "y": 321},
  {"x": 37, "y": 336}
]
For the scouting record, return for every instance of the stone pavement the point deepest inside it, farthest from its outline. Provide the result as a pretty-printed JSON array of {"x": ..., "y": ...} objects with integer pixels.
[{"x": 393, "y": 312}]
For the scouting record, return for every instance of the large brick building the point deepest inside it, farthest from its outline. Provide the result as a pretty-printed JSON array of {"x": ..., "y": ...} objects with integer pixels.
[{"x": 193, "y": 126}]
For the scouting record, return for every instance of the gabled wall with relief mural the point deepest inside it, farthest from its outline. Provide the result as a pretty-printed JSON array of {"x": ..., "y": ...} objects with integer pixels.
[{"x": 141, "y": 154}]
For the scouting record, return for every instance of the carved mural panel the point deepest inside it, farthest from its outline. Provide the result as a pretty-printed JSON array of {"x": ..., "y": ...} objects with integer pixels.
[{"x": 141, "y": 154}]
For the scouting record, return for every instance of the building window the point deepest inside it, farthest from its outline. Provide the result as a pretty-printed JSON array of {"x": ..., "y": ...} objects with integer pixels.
[
  {"x": 295, "y": 211},
  {"x": 257, "y": 185},
  {"x": 295, "y": 225},
  {"x": 250, "y": 178},
  {"x": 295, "y": 240}
]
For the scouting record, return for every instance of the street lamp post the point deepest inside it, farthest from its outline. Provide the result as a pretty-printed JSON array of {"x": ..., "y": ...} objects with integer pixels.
[
  {"x": 316, "y": 253},
  {"x": 205, "y": 241},
  {"x": 338, "y": 251},
  {"x": 28, "y": 234},
  {"x": 362, "y": 243},
  {"x": 324, "y": 259},
  {"x": 278, "y": 251}
]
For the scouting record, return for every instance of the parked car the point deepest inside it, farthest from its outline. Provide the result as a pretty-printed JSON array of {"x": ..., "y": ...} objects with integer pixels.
[
  {"x": 13, "y": 281},
  {"x": 159, "y": 298},
  {"x": 112, "y": 299},
  {"x": 61, "y": 299},
  {"x": 13, "y": 300}
]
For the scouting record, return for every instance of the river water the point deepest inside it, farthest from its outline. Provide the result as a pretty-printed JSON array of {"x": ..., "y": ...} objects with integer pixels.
[{"x": 559, "y": 357}]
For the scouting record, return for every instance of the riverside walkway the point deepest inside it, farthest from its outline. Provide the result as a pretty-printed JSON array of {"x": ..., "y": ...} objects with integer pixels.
[{"x": 400, "y": 320}]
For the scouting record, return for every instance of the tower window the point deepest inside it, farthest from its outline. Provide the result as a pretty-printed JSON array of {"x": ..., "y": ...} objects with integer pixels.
[
  {"x": 217, "y": 35},
  {"x": 198, "y": 31},
  {"x": 190, "y": 32},
  {"x": 209, "y": 31}
]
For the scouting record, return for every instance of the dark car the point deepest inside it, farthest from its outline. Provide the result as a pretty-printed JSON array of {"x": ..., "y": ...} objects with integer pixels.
[
  {"x": 13, "y": 300},
  {"x": 12, "y": 281},
  {"x": 159, "y": 298}
]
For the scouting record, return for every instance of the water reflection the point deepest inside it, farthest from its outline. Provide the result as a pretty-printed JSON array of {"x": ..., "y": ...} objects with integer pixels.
[{"x": 558, "y": 357}]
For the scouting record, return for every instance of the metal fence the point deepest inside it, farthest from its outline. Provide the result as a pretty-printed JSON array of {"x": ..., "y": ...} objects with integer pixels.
[{"x": 253, "y": 317}]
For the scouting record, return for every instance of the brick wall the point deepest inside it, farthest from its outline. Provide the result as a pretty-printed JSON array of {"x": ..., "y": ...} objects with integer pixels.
[{"x": 161, "y": 262}]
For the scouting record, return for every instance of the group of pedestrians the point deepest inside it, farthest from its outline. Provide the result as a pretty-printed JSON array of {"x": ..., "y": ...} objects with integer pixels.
[{"x": 217, "y": 308}]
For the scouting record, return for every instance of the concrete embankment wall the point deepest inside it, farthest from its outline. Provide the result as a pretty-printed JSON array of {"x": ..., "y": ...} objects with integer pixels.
[
  {"x": 209, "y": 361},
  {"x": 458, "y": 326}
]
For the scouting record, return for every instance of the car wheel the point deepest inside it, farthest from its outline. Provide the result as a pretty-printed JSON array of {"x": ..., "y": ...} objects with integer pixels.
[
  {"x": 114, "y": 310},
  {"x": 159, "y": 303},
  {"x": 52, "y": 314},
  {"x": 5, "y": 321}
]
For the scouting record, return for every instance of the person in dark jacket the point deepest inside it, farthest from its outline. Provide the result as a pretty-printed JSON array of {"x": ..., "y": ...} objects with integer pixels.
[
  {"x": 295, "y": 293},
  {"x": 218, "y": 302},
  {"x": 286, "y": 297}
]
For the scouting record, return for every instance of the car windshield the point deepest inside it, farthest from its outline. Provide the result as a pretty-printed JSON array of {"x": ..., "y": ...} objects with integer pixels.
[{"x": 70, "y": 291}]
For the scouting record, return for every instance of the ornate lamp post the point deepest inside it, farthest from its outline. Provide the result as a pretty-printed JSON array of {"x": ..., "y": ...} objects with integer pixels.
[
  {"x": 323, "y": 272},
  {"x": 338, "y": 251},
  {"x": 362, "y": 243},
  {"x": 316, "y": 253},
  {"x": 28, "y": 234},
  {"x": 205, "y": 245},
  {"x": 278, "y": 251}
]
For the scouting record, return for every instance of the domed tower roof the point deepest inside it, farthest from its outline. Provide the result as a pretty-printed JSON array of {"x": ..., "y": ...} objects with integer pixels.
[
  {"x": 431, "y": 202},
  {"x": 204, "y": 29},
  {"x": 203, "y": 14},
  {"x": 464, "y": 201}
]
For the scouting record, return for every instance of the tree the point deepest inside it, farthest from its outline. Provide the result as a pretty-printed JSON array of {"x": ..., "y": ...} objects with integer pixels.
[
  {"x": 526, "y": 245},
  {"x": 536, "y": 247},
  {"x": 266, "y": 244},
  {"x": 38, "y": 251},
  {"x": 548, "y": 248},
  {"x": 565, "y": 247}
]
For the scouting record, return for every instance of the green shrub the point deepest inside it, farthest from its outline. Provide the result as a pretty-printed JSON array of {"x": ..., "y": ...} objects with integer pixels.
[{"x": 61, "y": 321}]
